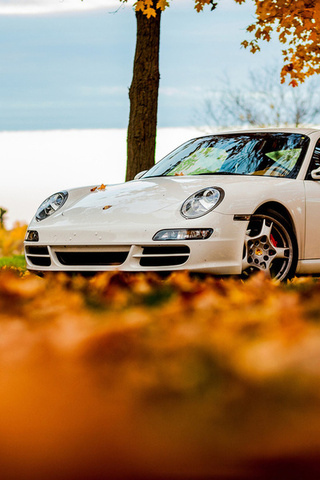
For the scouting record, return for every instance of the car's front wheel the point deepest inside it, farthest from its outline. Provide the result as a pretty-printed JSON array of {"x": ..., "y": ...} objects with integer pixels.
[{"x": 270, "y": 245}]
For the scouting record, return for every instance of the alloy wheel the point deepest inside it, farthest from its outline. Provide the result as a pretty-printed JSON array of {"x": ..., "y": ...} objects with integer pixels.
[{"x": 268, "y": 247}]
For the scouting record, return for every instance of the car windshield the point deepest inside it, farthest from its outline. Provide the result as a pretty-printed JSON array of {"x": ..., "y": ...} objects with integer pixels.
[{"x": 262, "y": 154}]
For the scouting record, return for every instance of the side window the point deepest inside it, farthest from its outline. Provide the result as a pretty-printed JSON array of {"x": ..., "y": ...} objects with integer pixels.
[{"x": 315, "y": 161}]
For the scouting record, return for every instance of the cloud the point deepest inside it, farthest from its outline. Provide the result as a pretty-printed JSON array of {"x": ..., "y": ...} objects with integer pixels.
[{"x": 39, "y": 7}]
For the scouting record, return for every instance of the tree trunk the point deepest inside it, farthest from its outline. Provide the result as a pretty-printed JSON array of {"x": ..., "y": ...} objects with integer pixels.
[{"x": 143, "y": 95}]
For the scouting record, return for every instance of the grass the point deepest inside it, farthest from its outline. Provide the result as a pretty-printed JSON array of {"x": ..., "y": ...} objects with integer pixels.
[{"x": 16, "y": 261}]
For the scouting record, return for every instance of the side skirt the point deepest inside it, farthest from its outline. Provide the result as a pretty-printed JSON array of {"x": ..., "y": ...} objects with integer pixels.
[{"x": 311, "y": 266}]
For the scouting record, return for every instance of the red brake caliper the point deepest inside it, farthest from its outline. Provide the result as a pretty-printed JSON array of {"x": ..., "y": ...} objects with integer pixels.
[{"x": 273, "y": 241}]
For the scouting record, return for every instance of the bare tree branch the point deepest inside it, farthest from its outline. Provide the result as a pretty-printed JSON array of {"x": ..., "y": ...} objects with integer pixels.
[{"x": 263, "y": 101}]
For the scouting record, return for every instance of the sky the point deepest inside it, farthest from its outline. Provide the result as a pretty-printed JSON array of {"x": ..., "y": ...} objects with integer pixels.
[
  {"x": 39, "y": 163},
  {"x": 67, "y": 64}
]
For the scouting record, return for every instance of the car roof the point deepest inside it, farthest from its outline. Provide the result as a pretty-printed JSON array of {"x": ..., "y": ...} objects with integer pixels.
[{"x": 301, "y": 130}]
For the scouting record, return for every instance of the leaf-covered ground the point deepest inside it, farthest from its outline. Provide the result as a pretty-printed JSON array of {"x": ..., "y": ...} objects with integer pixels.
[
  {"x": 125, "y": 376},
  {"x": 131, "y": 376}
]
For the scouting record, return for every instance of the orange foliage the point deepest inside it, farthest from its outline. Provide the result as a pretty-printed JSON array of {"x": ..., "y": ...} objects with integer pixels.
[
  {"x": 297, "y": 25},
  {"x": 11, "y": 241},
  {"x": 138, "y": 376}
]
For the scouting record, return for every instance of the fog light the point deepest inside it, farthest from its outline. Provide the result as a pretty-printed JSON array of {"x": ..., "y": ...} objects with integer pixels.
[
  {"x": 183, "y": 234},
  {"x": 32, "y": 236}
]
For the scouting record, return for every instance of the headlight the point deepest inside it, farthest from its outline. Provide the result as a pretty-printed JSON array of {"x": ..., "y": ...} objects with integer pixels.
[
  {"x": 183, "y": 234},
  {"x": 202, "y": 202},
  {"x": 51, "y": 205}
]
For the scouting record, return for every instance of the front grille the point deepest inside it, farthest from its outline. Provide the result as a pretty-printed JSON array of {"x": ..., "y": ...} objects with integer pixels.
[
  {"x": 91, "y": 258},
  {"x": 164, "y": 256}
]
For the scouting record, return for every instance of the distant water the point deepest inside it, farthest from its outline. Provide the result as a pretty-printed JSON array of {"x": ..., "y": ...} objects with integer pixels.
[{"x": 38, "y": 163}]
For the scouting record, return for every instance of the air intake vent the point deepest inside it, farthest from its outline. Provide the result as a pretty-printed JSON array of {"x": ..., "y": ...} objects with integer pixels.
[
  {"x": 37, "y": 250},
  {"x": 164, "y": 256},
  {"x": 38, "y": 256},
  {"x": 170, "y": 250}
]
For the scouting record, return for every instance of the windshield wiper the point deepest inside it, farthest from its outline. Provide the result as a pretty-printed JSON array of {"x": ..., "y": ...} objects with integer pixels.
[{"x": 194, "y": 174}]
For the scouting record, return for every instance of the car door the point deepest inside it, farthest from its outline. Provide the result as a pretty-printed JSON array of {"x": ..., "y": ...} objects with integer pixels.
[{"x": 312, "y": 191}]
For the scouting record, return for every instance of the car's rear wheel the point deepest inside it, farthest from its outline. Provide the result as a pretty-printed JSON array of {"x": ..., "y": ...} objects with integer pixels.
[{"x": 270, "y": 246}]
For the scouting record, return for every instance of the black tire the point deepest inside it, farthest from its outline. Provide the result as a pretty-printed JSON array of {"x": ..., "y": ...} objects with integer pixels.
[{"x": 270, "y": 245}]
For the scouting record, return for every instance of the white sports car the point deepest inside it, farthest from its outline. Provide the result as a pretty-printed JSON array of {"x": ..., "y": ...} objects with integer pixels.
[{"x": 224, "y": 204}]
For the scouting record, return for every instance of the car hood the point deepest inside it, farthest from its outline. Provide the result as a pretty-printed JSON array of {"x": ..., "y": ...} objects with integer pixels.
[
  {"x": 150, "y": 199},
  {"x": 160, "y": 198}
]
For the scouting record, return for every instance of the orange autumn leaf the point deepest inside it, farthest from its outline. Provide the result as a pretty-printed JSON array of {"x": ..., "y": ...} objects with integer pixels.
[
  {"x": 162, "y": 4},
  {"x": 101, "y": 187},
  {"x": 150, "y": 12}
]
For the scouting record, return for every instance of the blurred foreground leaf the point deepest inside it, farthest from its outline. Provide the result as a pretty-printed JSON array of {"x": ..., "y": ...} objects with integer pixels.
[{"x": 215, "y": 378}]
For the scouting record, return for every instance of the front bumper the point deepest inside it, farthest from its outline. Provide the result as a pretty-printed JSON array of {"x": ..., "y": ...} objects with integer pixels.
[{"x": 93, "y": 249}]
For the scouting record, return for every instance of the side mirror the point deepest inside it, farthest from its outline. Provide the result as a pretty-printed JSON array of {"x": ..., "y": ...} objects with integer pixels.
[
  {"x": 315, "y": 174},
  {"x": 140, "y": 174}
]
